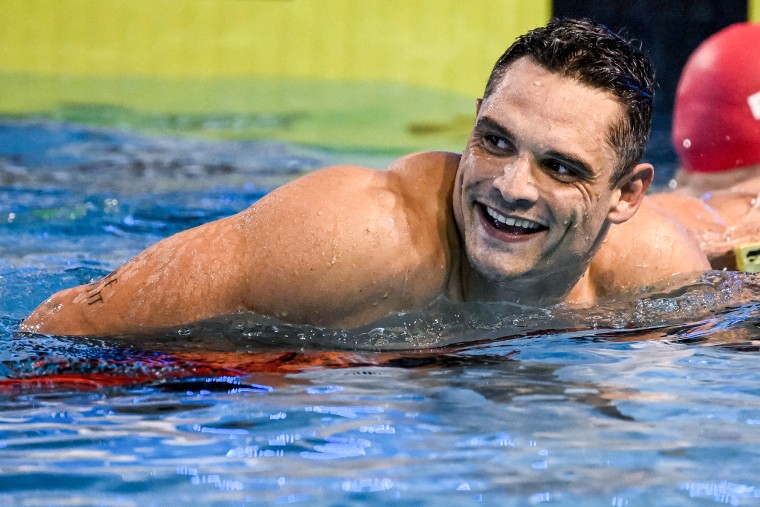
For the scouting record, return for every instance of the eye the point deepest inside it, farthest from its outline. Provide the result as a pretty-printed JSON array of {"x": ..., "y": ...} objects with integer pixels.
[
  {"x": 558, "y": 167},
  {"x": 496, "y": 144},
  {"x": 561, "y": 170}
]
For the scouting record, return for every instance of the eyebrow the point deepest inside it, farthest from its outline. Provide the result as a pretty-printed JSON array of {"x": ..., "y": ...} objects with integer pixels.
[{"x": 486, "y": 124}]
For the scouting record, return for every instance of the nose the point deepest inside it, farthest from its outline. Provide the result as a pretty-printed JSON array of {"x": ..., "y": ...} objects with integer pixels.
[{"x": 516, "y": 183}]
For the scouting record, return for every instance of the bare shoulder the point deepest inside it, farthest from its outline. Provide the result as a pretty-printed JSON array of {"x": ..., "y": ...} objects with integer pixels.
[
  {"x": 720, "y": 221},
  {"x": 421, "y": 170},
  {"x": 410, "y": 176},
  {"x": 691, "y": 211},
  {"x": 348, "y": 244},
  {"x": 341, "y": 195},
  {"x": 650, "y": 247}
]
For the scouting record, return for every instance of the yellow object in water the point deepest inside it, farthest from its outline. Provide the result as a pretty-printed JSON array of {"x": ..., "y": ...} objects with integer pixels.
[{"x": 748, "y": 257}]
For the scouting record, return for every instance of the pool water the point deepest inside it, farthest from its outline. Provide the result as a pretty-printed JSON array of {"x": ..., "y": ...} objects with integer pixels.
[{"x": 650, "y": 400}]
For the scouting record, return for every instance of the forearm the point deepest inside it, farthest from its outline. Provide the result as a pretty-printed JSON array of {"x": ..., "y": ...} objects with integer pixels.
[
  {"x": 185, "y": 278},
  {"x": 71, "y": 312}
]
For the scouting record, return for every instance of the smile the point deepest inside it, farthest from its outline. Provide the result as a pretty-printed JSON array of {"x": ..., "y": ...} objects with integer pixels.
[{"x": 511, "y": 225}]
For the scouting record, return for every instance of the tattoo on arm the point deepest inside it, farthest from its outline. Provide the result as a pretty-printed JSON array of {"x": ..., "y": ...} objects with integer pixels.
[{"x": 94, "y": 294}]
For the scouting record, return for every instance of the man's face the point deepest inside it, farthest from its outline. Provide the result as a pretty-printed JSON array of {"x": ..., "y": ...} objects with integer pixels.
[{"x": 533, "y": 189}]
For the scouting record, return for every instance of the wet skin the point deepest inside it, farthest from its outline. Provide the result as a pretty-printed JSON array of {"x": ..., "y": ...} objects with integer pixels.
[{"x": 533, "y": 193}]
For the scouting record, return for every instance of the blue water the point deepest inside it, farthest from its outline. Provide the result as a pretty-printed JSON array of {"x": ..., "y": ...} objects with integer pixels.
[{"x": 650, "y": 400}]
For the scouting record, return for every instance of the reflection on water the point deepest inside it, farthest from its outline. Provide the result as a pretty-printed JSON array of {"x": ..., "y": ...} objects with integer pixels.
[{"x": 651, "y": 399}]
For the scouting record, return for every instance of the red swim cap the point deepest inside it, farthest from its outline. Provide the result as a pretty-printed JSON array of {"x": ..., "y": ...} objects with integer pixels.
[{"x": 716, "y": 116}]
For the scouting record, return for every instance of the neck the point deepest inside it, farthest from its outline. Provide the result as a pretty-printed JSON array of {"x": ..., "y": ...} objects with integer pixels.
[{"x": 534, "y": 289}]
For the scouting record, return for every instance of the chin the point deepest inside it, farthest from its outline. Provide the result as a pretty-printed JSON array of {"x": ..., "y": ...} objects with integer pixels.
[{"x": 499, "y": 270}]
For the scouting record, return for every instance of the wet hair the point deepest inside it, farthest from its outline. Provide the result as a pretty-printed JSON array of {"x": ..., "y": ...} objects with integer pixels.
[{"x": 596, "y": 56}]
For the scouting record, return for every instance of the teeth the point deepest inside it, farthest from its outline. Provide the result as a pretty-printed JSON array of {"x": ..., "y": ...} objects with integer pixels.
[{"x": 512, "y": 222}]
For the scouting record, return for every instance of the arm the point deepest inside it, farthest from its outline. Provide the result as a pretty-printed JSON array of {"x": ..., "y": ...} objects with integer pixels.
[
  {"x": 338, "y": 247},
  {"x": 151, "y": 289}
]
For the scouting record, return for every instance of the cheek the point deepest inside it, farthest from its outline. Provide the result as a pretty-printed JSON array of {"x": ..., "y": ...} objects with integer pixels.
[
  {"x": 579, "y": 207},
  {"x": 458, "y": 197},
  {"x": 476, "y": 167},
  {"x": 591, "y": 198},
  {"x": 573, "y": 196},
  {"x": 586, "y": 196}
]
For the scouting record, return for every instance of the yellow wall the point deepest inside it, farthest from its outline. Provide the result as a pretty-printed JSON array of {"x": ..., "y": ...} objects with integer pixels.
[
  {"x": 348, "y": 73},
  {"x": 394, "y": 75},
  {"x": 446, "y": 44}
]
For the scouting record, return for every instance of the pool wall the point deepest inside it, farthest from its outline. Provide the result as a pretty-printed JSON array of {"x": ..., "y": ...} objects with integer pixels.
[{"x": 348, "y": 74}]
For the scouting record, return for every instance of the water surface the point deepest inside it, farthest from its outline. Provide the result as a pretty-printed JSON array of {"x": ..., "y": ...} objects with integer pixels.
[{"x": 649, "y": 400}]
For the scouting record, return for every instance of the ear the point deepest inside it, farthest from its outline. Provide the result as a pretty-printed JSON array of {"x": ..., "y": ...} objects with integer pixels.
[{"x": 630, "y": 192}]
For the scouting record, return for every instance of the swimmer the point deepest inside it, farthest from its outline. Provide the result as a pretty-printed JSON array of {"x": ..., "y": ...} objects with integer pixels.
[
  {"x": 546, "y": 204},
  {"x": 716, "y": 134}
]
